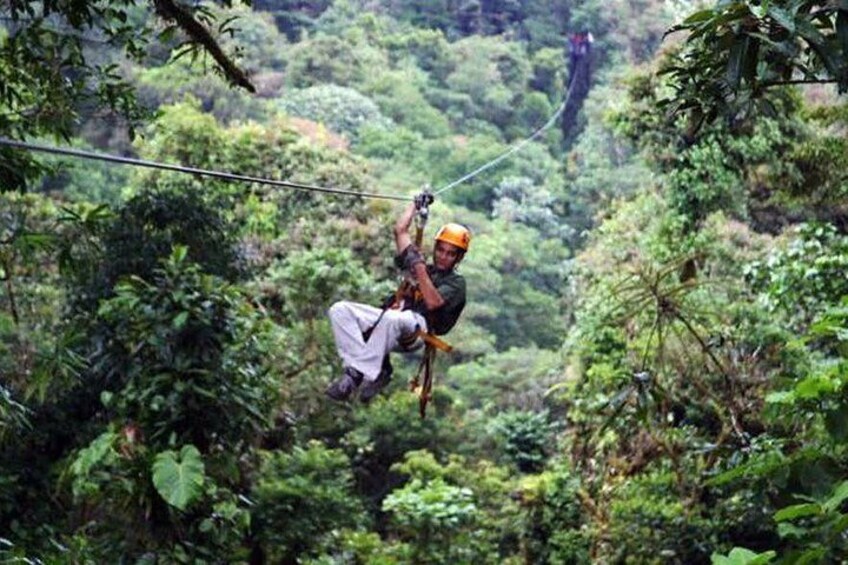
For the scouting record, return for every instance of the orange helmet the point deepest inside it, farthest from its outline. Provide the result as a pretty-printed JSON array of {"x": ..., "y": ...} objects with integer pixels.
[{"x": 455, "y": 234}]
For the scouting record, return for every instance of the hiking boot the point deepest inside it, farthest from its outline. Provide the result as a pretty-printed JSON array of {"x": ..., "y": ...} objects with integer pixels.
[
  {"x": 371, "y": 388},
  {"x": 344, "y": 387}
]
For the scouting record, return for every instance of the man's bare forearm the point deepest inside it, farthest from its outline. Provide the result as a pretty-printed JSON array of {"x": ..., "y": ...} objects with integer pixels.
[
  {"x": 402, "y": 237},
  {"x": 431, "y": 296}
]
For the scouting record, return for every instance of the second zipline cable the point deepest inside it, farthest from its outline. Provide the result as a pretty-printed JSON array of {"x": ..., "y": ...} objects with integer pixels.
[{"x": 512, "y": 150}]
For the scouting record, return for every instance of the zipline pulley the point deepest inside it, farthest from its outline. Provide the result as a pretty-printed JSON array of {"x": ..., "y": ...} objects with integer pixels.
[{"x": 422, "y": 206}]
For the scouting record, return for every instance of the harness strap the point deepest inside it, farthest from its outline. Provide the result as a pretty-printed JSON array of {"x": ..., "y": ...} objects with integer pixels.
[
  {"x": 424, "y": 387},
  {"x": 434, "y": 342}
]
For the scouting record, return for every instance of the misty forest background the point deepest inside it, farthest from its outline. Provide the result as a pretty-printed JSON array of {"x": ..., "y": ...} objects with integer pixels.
[{"x": 652, "y": 364}]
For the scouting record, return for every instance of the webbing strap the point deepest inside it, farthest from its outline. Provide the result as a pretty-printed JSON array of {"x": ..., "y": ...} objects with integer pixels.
[
  {"x": 425, "y": 368},
  {"x": 434, "y": 342},
  {"x": 424, "y": 386}
]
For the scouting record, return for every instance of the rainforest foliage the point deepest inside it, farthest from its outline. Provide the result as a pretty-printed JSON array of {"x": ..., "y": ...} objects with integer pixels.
[{"x": 650, "y": 368}]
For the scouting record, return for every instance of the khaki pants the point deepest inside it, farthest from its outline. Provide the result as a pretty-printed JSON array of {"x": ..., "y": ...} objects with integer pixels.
[{"x": 350, "y": 319}]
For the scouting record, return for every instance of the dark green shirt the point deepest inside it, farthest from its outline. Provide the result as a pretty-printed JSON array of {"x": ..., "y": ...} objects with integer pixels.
[{"x": 451, "y": 287}]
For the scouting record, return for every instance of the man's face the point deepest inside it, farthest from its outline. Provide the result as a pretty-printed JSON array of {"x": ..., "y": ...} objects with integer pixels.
[{"x": 446, "y": 255}]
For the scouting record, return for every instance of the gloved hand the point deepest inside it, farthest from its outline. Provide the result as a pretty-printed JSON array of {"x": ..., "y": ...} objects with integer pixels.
[
  {"x": 408, "y": 258},
  {"x": 423, "y": 200}
]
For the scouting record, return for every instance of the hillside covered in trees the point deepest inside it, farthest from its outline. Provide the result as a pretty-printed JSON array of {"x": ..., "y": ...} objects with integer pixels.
[{"x": 650, "y": 366}]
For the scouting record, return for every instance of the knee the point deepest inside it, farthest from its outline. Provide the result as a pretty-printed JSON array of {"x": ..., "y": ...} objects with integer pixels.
[
  {"x": 402, "y": 321},
  {"x": 337, "y": 309},
  {"x": 392, "y": 317}
]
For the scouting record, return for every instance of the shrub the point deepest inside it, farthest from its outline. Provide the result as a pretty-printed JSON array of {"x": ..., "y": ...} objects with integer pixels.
[
  {"x": 343, "y": 110},
  {"x": 302, "y": 499}
]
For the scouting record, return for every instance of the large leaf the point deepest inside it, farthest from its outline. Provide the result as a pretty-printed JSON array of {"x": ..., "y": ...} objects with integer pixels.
[
  {"x": 742, "y": 59},
  {"x": 179, "y": 479},
  {"x": 782, "y": 17},
  {"x": 700, "y": 16},
  {"x": 736, "y": 60},
  {"x": 760, "y": 465},
  {"x": 742, "y": 556},
  {"x": 99, "y": 452},
  {"x": 798, "y": 511},
  {"x": 840, "y": 525},
  {"x": 840, "y": 493}
]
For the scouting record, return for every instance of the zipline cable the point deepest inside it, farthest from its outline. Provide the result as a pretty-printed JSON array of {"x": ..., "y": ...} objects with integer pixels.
[
  {"x": 515, "y": 148},
  {"x": 287, "y": 184},
  {"x": 191, "y": 170}
]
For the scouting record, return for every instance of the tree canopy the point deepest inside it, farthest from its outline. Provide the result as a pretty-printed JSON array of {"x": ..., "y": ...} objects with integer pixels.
[{"x": 651, "y": 364}]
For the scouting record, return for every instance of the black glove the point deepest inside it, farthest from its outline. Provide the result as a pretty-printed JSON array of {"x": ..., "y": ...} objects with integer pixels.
[
  {"x": 423, "y": 200},
  {"x": 408, "y": 258}
]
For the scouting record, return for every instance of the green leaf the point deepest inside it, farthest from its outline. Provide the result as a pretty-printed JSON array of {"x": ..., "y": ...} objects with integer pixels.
[
  {"x": 758, "y": 10},
  {"x": 736, "y": 61},
  {"x": 787, "y": 530},
  {"x": 700, "y": 16},
  {"x": 96, "y": 452},
  {"x": 813, "y": 555},
  {"x": 814, "y": 386},
  {"x": 179, "y": 480},
  {"x": 761, "y": 558},
  {"x": 840, "y": 493},
  {"x": 758, "y": 466},
  {"x": 840, "y": 525},
  {"x": 782, "y": 18},
  {"x": 798, "y": 511},
  {"x": 180, "y": 320},
  {"x": 817, "y": 43},
  {"x": 99, "y": 452},
  {"x": 31, "y": 242},
  {"x": 742, "y": 556},
  {"x": 781, "y": 397},
  {"x": 179, "y": 253}
]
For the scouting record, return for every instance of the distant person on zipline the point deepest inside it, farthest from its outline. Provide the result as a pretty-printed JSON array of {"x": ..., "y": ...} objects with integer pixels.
[
  {"x": 432, "y": 302},
  {"x": 579, "y": 46}
]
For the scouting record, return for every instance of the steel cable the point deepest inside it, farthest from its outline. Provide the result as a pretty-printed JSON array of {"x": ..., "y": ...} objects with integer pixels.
[
  {"x": 514, "y": 149},
  {"x": 192, "y": 170}
]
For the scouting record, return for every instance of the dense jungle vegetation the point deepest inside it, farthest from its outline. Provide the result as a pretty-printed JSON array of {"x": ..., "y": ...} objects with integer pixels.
[{"x": 652, "y": 364}]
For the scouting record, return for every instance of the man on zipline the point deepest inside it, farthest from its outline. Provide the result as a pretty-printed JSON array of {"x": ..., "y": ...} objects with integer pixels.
[
  {"x": 365, "y": 335},
  {"x": 579, "y": 47}
]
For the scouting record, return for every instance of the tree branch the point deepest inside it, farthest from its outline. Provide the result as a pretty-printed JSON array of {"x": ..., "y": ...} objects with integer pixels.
[
  {"x": 731, "y": 410},
  {"x": 798, "y": 81},
  {"x": 172, "y": 11}
]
